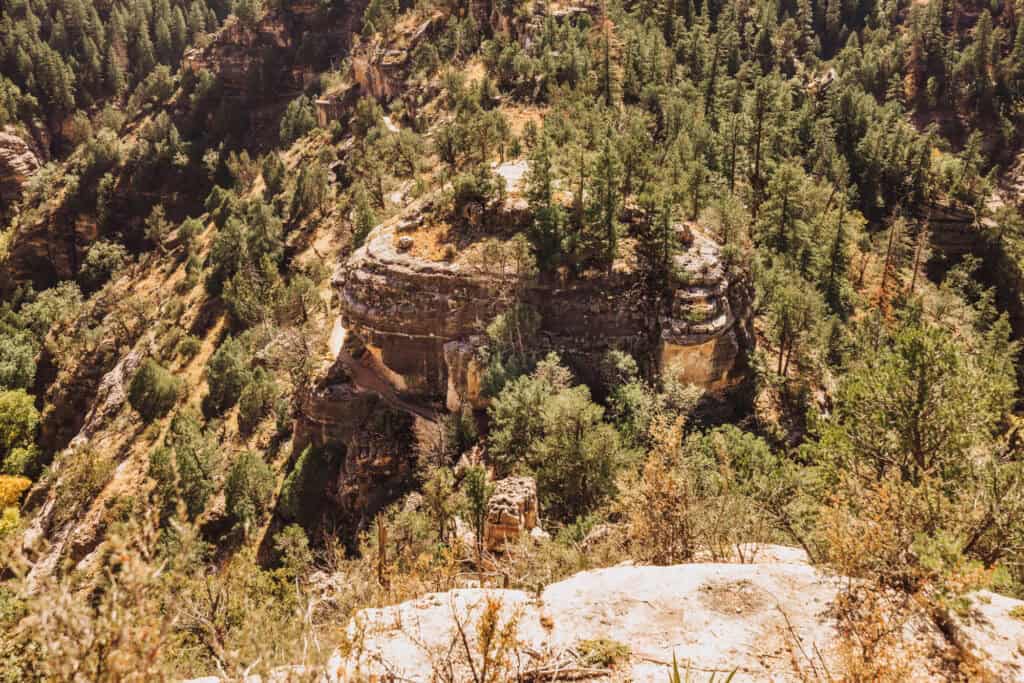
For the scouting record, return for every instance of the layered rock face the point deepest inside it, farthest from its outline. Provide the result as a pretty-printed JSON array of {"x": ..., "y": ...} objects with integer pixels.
[
  {"x": 18, "y": 163},
  {"x": 365, "y": 444},
  {"x": 423, "y": 319},
  {"x": 511, "y": 511},
  {"x": 288, "y": 42}
]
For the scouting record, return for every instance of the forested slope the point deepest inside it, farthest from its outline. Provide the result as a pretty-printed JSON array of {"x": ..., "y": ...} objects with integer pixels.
[{"x": 298, "y": 294}]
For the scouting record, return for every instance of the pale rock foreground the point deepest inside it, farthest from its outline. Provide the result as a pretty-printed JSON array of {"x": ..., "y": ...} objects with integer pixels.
[{"x": 769, "y": 621}]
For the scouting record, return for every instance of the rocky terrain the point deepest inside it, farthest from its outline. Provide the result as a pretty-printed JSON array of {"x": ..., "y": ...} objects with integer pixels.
[
  {"x": 490, "y": 341},
  {"x": 422, "y": 317},
  {"x": 769, "y": 618}
]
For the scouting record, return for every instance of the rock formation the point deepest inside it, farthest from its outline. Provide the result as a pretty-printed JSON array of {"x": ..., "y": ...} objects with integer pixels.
[
  {"x": 767, "y": 621},
  {"x": 511, "y": 512},
  {"x": 422, "y": 317},
  {"x": 364, "y": 442},
  {"x": 237, "y": 53},
  {"x": 18, "y": 163}
]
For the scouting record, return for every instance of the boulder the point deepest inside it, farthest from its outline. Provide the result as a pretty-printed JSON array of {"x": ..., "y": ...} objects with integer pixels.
[
  {"x": 512, "y": 511},
  {"x": 771, "y": 621}
]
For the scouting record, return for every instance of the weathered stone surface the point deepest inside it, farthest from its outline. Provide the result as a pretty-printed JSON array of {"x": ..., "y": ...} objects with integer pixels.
[
  {"x": 368, "y": 440},
  {"x": 464, "y": 375},
  {"x": 110, "y": 396},
  {"x": 511, "y": 512},
  {"x": 18, "y": 163},
  {"x": 768, "y": 621},
  {"x": 418, "y": 317}
]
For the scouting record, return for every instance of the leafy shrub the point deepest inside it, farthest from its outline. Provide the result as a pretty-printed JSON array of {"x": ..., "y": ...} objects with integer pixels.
[
  {"x": 303, "y": 488},
  {"x": 227, "y": 375},
  {"x": 363, "y": 217},
  {"x": 153, "y": 391},
  {"x": 292, "y": 547},
  {"x": 17, "y": 361},
  {"x": 51, "y": 306},
  {"x": 189, "y": 346},
  {"x": 101, "y": 262},
  {"x": 256, "y": 400},
  {"x": 10, "y": 520},
  {"x": 602, "y": 652},
  {"x": 11, "y": 489},
  {"x": 189, "y": 229},
  {"x": 299, "y": 118},
  {"x": 81, "y": 475},
  {"x": 249, "y": 489},
  {"x": 19, "y": 421},
  {"x": 186, "y": 466}
]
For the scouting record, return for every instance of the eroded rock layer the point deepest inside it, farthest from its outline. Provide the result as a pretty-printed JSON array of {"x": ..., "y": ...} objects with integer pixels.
[{"x": 422, "y": 318}]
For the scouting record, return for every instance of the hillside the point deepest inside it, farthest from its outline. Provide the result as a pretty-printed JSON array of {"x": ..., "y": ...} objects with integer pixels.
[{"x": 311, "y": 309}]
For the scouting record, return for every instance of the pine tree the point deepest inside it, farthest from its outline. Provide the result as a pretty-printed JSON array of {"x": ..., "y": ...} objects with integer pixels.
[{"x": 606, "y": 197}]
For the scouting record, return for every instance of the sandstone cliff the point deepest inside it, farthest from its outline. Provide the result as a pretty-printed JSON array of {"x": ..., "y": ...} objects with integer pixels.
[
  {"x": 18, "y": 163},
  {"x": 422, "y": 317}
]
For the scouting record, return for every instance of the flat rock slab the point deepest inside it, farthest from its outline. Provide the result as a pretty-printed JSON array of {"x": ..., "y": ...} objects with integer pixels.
[
  {"x": 717, "y": 617},
  {"x": 770, "y": 621}
]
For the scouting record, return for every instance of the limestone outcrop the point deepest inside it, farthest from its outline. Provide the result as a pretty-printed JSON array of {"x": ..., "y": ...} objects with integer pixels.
[
  {"x": 18, "y": 163},
  {"x": 767, "y": 621},
  {"x": 364, "y": 444},
  {"x": 511, "y": 512},
  {"x": 422, "y": 317}
]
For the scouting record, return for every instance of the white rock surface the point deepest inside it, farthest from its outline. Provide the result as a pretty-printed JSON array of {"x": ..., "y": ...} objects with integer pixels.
[{"x": 769, "y": 621}]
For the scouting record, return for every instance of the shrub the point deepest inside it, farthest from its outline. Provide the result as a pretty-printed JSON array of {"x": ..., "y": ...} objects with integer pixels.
[
  {"x": 196, "y": 462},
  {"x": 602, "y": 652},
  {"x": 363, "y": 217},
  {"x": 19, "y": 421},
  {"x": 101, "y": 262},
  {"x": 292, "y": 548},
  {"x": 249, "y": 489},
  {"x": 227, "y": 375},
  {"x": 153, "y": 391},
  {"x": 302, "y": 490},
  {"x": 10, "y": 520},
  {"x": 189, "y": 229},
  {"x": 17, "y": 361},
  {"x": 478, "y": 492},
  {"x": 81, "y": 476},
  {"x": 11, "y": 489},
  {"x": 256, "y": 401},
  {"x": 189, "y": 346},
  {"x": 51, "y": 306},
  {"x": 298, "y": 119}
]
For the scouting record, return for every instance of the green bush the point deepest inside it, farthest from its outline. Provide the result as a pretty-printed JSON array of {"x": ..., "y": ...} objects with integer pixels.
[
  {"x": 298, "y": 119},
  {"x": 101, "y": 262},
  {"x": 227, "y": 374},
  {"x": 51, "y": 306},
  {"x": 17, "y": 361},
  {"x": 197, "y": 461},
  {"x": 541, "y": 423},
  {"x": 153, "y": 391},
  {"x": 303, "y": 488},
  {"x": 249, "y": 489},
  {"x": 189, "y": 346},
  {"x": 256, "y": 401},
  {"x": 19, "y": 421},
  {"x": 82, "y": 475}
]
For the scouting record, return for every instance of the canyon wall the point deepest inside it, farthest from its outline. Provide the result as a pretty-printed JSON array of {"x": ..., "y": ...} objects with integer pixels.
[{"x": 422, "y": 319}]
